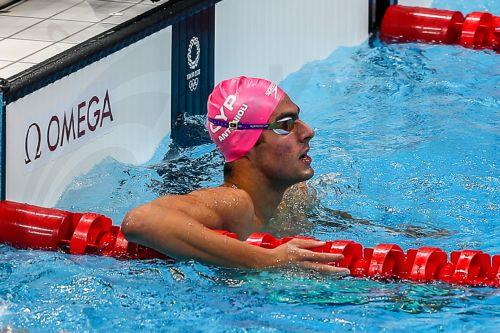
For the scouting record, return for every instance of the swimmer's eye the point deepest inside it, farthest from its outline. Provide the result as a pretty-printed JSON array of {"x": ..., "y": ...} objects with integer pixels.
[{"x": 284, "y": 126}]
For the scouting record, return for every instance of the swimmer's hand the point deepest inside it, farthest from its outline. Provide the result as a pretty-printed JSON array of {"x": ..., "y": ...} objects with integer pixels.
[{"x": 297, "y": 253}]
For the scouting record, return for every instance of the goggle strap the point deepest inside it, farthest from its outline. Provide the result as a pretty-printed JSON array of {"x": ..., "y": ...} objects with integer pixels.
[{"x": 236, "y": 124}]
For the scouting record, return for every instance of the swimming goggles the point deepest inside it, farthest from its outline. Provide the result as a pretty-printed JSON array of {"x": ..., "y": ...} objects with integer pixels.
[{"x": 282, "y": 127}]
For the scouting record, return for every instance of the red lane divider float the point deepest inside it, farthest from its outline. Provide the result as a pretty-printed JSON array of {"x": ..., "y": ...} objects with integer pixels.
[
  {"x": 428, "y": 25},
  {"x": 30, "y": 227},
  {"x": 26, "y": 226},
  {"x": 389, "y": 261}
]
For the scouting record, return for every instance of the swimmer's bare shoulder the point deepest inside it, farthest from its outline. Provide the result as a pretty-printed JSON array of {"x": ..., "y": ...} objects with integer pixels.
[{"x": 221, "y": 207}]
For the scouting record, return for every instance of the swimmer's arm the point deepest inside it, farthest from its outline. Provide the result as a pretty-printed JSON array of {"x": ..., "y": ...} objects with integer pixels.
[
  {"x": 180, "y": 227},
  {"x": 179, "y": 235}
]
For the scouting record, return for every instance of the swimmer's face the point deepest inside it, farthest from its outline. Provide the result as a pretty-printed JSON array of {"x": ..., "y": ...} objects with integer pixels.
[{"x": 284, "y": 158}]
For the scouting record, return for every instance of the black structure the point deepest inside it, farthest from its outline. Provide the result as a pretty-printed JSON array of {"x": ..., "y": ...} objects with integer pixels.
[
  {"x": 376, "y": 13},
  {"x": 193, "y": 63},
  {"x": 3, "y": 145},
  {"x": 7, "y": 3}
]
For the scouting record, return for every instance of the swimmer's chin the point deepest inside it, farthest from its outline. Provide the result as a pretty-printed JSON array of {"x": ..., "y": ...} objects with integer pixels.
[{"x": 309, "y": 174}]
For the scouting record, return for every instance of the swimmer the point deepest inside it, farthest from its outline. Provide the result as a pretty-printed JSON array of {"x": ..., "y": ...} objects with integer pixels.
[{"x": 257, "y": 128}]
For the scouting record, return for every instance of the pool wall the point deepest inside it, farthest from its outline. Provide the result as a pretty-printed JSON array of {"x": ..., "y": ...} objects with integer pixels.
[
  {"x": 118, "y": 107},
  {"x": 120, "y": 94}
]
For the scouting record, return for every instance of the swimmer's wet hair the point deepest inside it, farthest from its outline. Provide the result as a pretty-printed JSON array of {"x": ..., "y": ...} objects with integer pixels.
[
  {"x": 229, "y": 166},
  {"x": 228, "y": 170}
]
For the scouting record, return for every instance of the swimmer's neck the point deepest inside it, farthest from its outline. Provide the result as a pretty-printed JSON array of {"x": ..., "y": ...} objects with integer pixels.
[{"x": 266, "y": 196}]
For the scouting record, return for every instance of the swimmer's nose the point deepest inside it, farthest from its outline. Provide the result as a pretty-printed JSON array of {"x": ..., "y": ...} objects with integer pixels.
[{"x": 306, "y": 133}]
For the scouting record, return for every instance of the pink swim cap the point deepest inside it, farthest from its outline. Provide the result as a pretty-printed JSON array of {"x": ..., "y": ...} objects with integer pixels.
[{"x": 234, "y": 106}]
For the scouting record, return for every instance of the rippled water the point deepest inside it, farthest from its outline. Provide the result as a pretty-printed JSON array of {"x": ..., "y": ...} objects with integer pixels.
[
  {"x": 406, "y": 143},
  {"x": 408, "y": 139}
]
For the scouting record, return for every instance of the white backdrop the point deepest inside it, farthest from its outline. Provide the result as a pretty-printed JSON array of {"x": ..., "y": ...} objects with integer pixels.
[
  {"x": 416, "y": 3},
  {"x": 272, "y": 39},
  {"x": 136, "y": 80}
]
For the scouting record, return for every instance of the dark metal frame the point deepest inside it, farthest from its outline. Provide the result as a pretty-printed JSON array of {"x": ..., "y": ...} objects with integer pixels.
[
  {"x": 8, "y": 3},
  {"x": 376, "y": 12},
  {"x": 3, "y": 146}
]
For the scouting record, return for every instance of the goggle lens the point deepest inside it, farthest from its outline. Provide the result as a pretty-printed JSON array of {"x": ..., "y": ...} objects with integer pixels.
[{"x": 284, "y": 126}]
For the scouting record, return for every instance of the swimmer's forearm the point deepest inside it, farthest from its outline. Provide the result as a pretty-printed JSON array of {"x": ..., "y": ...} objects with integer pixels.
[
  {"x": 201, "y": 243},
  {"x": 177, "y": 235}
]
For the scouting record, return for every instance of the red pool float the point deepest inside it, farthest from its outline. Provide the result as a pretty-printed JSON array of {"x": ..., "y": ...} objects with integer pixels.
[
  {"x": 476, "y": 30},
  {"x": 30, "y": 227}
]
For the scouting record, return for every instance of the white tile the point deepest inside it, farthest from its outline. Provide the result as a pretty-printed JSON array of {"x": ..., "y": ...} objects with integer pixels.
[
  {"x": 10, "y": 25},
  {"x": 128, "y": 14},
  {"x": 16, "y": 49},
  {"x": 4, "y": 63},
  {"x": 52, "y": 30},
  {"x": 48, "y": 52},
  {"x": 14, "y": 69},
  {"x": 92, "y": 10},
  {"x": 90, "y": 32},
  {"x": 41, "y": 8}
]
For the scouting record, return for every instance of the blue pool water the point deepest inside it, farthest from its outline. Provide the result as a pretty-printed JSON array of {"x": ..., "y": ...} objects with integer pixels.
[{"x": 406, "y": 142}]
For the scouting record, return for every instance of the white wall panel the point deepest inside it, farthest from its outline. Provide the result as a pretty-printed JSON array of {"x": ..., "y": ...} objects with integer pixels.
[
  {"x": 415, "y": 3},
  {"x": 138, "y": 81},
  {"x": 274, "y": 38}
]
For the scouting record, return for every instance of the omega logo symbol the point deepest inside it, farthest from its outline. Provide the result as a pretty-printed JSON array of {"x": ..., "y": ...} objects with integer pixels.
[{"x": 38, "y": 153}]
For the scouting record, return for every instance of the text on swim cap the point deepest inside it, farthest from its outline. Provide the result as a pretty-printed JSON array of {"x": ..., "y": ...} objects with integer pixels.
[
  {"x": 228, "y": 103},
  {"x": 237, "y": 118},
  {"x": 272, "y": 89}
]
